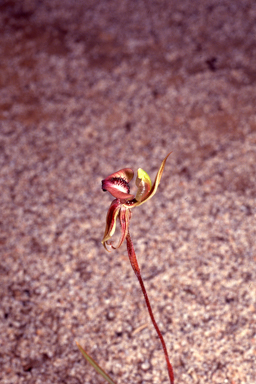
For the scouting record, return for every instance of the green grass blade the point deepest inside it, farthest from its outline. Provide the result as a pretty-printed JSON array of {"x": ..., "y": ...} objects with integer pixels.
[{"x": 95, "y": 365}]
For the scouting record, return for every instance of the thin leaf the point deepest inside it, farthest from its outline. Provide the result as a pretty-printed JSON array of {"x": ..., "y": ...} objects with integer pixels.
[{"x": 95, "y": 365}]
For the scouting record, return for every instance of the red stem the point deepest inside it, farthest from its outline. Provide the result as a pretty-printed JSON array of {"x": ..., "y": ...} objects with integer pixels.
[{"x": 136, "y": 268}]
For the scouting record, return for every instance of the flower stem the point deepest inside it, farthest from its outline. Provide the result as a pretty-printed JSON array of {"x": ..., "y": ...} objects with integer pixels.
[{"x": 136, "y": 269}]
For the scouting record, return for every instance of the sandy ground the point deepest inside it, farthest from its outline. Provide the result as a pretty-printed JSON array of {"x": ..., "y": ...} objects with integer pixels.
[{"x": 89, "y": 87}]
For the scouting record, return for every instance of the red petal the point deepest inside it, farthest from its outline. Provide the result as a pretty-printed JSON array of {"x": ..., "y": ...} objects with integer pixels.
[
  {"x": 125, "y": 173},
  {"x": 111, "y": 221},
  {"x": 125, "y": 215}
]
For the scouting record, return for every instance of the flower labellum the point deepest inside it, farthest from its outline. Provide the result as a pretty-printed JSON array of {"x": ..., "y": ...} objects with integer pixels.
[{"x": 117, "y": 184}]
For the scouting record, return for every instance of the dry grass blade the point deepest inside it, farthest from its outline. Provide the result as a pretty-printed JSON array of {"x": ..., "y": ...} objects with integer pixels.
[{"x": 95, "y": 365}]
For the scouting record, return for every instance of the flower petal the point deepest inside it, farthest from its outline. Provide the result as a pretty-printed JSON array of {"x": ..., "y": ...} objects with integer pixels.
[
  {"x": 117, "y": 184},
  {"x": 157, "y": 179},
  {"x": 144, "y": 185},
  {"x": 111, "y": 221},
  {"x": 154, "y": 187},
  {"x": 125, "y": 215},
  {"x": 125, "y": 173}
]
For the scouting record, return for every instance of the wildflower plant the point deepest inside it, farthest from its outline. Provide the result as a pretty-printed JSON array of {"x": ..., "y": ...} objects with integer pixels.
[{"x": 117, "y": 184}]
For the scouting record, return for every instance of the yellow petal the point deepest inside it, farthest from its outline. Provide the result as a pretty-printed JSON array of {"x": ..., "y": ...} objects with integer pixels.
[
  {"x": 155, "y": 185},
  {"x": 144, "y": 185}
]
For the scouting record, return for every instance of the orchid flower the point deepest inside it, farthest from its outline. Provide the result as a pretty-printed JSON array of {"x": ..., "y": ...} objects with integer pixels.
[{"x": 117, "y": 184}]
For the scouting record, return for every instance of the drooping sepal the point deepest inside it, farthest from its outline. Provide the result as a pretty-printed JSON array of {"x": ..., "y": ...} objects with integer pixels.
[
  {"x": 118, "y": 184},
  {"x": 124, "y": 216},
  {"x": 111, "y": 221}
]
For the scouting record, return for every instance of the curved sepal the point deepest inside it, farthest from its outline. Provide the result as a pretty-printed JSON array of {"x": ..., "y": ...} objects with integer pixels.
[
  {"x": 157, "y": 179},
  {"x": 111, "y": 221},
  {"x": 154, "y": 187},
  {"x": 125, "y": 215}
]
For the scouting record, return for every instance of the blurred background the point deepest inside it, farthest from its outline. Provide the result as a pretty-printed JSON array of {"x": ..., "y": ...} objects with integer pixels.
[{"x": 90, "y": 87}]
